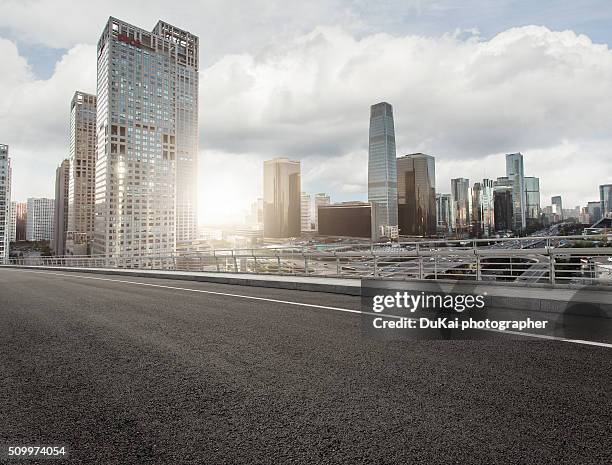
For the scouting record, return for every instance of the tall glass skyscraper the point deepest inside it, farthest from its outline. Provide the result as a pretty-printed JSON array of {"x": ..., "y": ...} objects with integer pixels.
[
  {"x": 605, "y": 198},
  {"x": 557, "y": 207},
  {"x": 532, "y": 199},
  {"x": 282, "y": 198},
  {"x": 461, "y": 201},
  {"x": 516, "y": 175},
  {"x": 416, "y": 195},
  {"x": 382, "y": 169},
  {"x": 147, "y": 139}
]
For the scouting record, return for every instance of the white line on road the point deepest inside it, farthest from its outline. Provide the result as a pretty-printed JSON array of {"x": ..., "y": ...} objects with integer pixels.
[{"x": 302, "y": 304}]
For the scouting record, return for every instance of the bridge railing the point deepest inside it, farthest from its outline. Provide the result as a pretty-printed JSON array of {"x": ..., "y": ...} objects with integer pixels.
[{"x": 586, "y": 266}]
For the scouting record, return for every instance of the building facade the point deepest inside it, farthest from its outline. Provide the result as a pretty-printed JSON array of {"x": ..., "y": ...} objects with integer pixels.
[
  {"x": 347, "y": 219},
  {"x": 13, "y": 222},
  {"x": 444, "y": 213},
  {"x": 282, "y": 199},
  {"x": 82, "y": 182},
  {"x": 40, "y": 219},
  {"x": 515, "y": 173},
  {"x": 147, "y": 140},
  {"x": 605, "y": 198},
  {"x": 460, "y": 195},
  {"x": 21, "y": 221},
  {"x": 320, "y": 200},
  {"x": 305, "y": 212},
  {"x": 502, "y": 208},
  {"x": 557, "y": 208},
  {"x": 483, "y": 208},
  {"x": 416, "y": 195},
  {"x": 594, "y": 211},
  {"x": 60, "y": 214},
  {"x": 382, "y": 169},
  {"x": 5, "y": 202},
  {"x": 532, "y": 199}
]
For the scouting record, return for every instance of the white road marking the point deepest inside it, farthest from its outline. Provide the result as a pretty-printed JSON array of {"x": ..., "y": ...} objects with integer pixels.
[{"x": 302, "y": 304}]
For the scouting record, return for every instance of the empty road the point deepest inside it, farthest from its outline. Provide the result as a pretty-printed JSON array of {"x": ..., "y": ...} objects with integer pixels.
[{"x": 121, "y": 371}]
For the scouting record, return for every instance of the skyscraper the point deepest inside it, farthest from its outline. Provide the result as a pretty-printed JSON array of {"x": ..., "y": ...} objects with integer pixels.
[
  {"x": 444, "y": 213},
  {"x": 483, "y": 208},
  {"x": 416, "y": 195},
  {"x": 460, "y": 194},
  {"x": 557, "y": 207},
  {"x": 321, "y": 199},
  {"x": 605, "y": 198},
  {"x": 516, "y": 175},
  {"x": 502, "y": 208},
  {"x": 82, "y": 182},
  {"x": 305, "y": 208},
  {"x": 60, "y": 214},
  {"x": 282, "y": 198},
  {"x": 382, "y": 174},
  {"x": 40, "y": 219},
  {"x": 13, "y": 222},
  {"x": 147, "y": 139},
  {"x": 21, "y": 221},
  {"x": 5, "y": 202},
  {"x": 532, "y": 199},
  {"x": 594, "y": 211}
]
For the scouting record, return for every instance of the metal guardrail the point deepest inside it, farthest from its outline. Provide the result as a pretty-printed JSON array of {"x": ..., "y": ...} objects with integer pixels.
[{"x": 585, "y": 266}]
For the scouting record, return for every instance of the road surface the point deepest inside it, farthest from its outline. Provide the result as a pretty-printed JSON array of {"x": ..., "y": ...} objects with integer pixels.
[{"x": 121, "y": 371}]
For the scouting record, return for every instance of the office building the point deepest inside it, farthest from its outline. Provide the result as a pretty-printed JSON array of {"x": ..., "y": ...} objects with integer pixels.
[
  {"x": 502, "y": 208},
  {"x": 5, "y": 202},
  {"x": 516, "y": 175},
  {"x": 532, "y": 198},
  {"x": 416, "y": 195},
  {"x": 382, "y": 174},
  {"x": 321, "y": 199},
  {"x": 483, "y": 209},
  {"x": 60, "y": 215},
  {"x": 147, "y": 139},
  {"x": 605, "y": 198},
  {"x": 13, "y": 222},
  {"x": 40, "y": 219},
  {"x": 347, "y": 219},
  {"x": 557, "y": 208},
  {"x": 460, "y": 194},
  {"x": 82, "y": 185},
  {"x": 444, "y": 213},
  {"x": 594, "y": 211},
  {"x": 305, "y": 215},
  {"x": 282, "y": 199},
  {"x": 21, "y": 221}
]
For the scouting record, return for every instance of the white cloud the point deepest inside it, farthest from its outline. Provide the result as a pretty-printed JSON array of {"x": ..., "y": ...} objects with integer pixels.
[{"x": 465, "y": 100}]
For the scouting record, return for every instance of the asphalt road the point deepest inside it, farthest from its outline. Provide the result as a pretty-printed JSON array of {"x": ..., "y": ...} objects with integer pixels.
[{"x": 122, "y": 373}]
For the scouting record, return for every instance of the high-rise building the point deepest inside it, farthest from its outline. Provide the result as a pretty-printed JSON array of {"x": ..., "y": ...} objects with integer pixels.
[
  {"x": 483, "y": 208},
  {"x": 147, "y": 139},
  {"x": 282, "y": 198},
  {"x": 321, "y": 199},
  {"x": 13, "y": 222},
  {"x": 382, "y": 174},
  {"x": 5, "y": 202},
  {"x": 605, "y": 198},
  {"x": 444, "y": 213},
  {"x": 557, "y": 208},
  {"x": 532, "y": 198},
  {"x": 416, "y": 195},
  {"x": 82, "y": 182},
  {"x": 502, "y": 208},
  {"x": 460, "y": 194},
  {"x": 305, "y": 213},
  {"x": 515, "y": 173},
  {"x": 594, "y": 211},
  {"x": 60, "y": 214},
  {"x": 21, "y": 221},
  {"x": 40, "y": 219}
]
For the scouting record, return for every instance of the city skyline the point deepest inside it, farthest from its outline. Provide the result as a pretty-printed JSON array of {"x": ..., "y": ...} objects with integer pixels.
[{"x": 327, "y": 131}]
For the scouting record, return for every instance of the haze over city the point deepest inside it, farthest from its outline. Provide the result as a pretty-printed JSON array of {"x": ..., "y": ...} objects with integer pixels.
[{"x": 468, "y": 84}]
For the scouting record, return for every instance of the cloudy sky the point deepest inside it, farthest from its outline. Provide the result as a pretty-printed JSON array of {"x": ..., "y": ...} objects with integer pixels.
[{"x": 469, "y": 81}]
